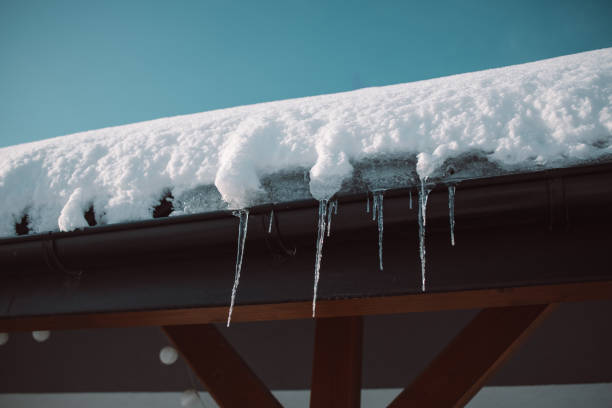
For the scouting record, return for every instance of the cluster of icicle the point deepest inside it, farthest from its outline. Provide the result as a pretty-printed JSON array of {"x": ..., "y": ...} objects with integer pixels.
[{"x": 327, "y": 208}]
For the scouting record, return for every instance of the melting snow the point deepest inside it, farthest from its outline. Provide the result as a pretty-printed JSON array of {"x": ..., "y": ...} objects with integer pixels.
[{"x": 551, "y": 113}]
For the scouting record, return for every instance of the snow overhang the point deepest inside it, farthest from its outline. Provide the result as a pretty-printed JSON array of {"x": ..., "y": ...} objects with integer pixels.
[{"x": 547, "y": 114}]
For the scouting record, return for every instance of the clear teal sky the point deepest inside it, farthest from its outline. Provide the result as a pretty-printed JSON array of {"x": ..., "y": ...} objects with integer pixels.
[{"x": 68, "y": 66}]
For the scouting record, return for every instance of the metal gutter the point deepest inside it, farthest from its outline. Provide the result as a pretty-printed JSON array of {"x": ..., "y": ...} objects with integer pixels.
[{"x": 554, "y": 222}]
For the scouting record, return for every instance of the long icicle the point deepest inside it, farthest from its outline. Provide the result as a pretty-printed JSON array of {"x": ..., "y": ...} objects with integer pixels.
[
  {"x": 451, "y": 212},
  {"x": 323, "y": 204},
  {"x": 378, "y": 214},
  {"x": 271, "y": 221},
  {"x": 242, "y": 232},
  {"x": 423, "y": 194},
  {"x": 368, "y": 202}
]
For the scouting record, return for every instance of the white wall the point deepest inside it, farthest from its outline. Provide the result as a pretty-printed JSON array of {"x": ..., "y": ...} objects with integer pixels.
[{"x": 540, "y": 396}]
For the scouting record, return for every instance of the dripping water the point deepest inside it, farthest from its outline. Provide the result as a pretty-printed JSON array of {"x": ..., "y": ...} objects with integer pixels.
[
  {"x": 271, "y": 220},
  {"x": 377, "y": 212},
  {"x": 451, "y": 212},
  {"x": 242, "y": 232},
  {"x": 423, "y": 194},
  {"x": 325, "y": 208}
]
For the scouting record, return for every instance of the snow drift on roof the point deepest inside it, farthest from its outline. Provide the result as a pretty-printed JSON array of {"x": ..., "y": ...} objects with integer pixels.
[{"x": 550, "y": 113}]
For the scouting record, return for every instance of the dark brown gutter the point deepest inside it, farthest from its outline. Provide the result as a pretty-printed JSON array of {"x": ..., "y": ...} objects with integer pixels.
[{"x": 538, "y": 228}]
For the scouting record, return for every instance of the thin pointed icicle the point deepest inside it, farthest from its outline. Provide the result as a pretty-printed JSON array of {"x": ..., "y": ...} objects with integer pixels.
[
  {"x": 333, "y": 205},
  {"x": 374, "y": 205},
  {"x": 323, "y": 208},
  {"x": 423, "y": 194},
  {"x": 271, "y": 220},
  {"x": 451, "y": 212},
  {"x": 378, "y": 214},
  {"x": 242, "y": 232},
  {"x": 368, "y": 203},
  {"x": 410, "y": 199}
]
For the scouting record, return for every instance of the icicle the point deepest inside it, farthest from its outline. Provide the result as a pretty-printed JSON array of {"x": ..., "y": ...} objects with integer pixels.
[
  {"x": 271, "y": 220},
  {"x": 374, "y": 205},
  {"x": 329, "y": 216},
  {"x": 378, "y": 215},
  {"x": 380, "y": 230},
  {"x": 451, "y": 212},
  {"x": 423, "y": 194},
  {"x": 368, "y": 203},
  {"x": 323, "y": 208},
  {"x": 242, "y": 232},
  {"x": 333, "y": 205},
  {"x": 410, "y": 199}
]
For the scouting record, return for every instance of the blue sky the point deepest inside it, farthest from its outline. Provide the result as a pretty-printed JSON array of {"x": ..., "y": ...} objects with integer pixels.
[{"x": 69, "y": 66}]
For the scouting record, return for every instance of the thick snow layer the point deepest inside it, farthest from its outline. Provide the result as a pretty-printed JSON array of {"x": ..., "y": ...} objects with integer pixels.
[{"x": 550, "y": 113}]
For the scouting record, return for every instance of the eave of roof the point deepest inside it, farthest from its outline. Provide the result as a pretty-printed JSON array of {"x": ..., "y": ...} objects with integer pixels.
[{"x": 537, "y": 228}]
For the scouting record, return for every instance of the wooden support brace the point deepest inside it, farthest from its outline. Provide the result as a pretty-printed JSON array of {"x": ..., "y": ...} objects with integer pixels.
[
  {"x": 463, "y": 367},
  {"x": 226, "y": 376},
  {"x": 336, "y": 372}
]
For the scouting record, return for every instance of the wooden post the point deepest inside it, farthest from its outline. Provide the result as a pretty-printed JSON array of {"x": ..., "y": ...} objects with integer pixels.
[
  {"x": 226, "y": 377},
  {"x": 462, "y": 368},
  {"x": 336, "y": 372}
]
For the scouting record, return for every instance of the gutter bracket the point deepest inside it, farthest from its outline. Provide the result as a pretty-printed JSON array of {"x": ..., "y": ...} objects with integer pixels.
[{"x": 557, "y": 212}]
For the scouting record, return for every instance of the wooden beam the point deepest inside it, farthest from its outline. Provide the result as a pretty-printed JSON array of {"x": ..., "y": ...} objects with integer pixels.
[
  {"x": 227, "y": 378},
  {"x": 470, "y": 299},
  {"x": 462, "y": 368},
  {"x": 336, "y": 371}
]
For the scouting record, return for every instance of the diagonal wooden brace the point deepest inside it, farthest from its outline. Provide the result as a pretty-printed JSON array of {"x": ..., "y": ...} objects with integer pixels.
[
  {"x": 226, "y": 376},
  {"x": 463, "y": 367}
]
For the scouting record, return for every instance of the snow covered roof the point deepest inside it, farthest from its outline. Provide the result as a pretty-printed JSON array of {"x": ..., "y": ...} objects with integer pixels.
[{"x": 550, "y": 113}]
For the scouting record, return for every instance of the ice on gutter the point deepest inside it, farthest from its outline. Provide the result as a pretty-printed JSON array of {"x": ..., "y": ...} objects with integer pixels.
[{"x": 551, "y": 113}]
